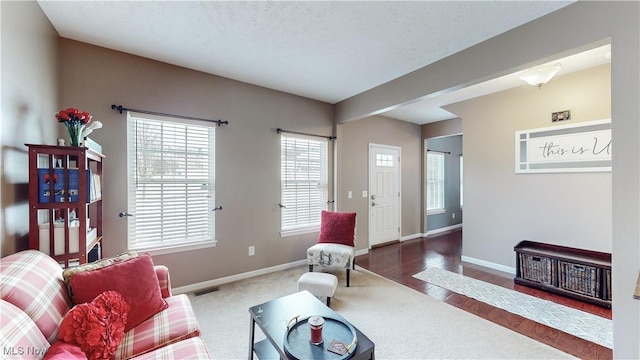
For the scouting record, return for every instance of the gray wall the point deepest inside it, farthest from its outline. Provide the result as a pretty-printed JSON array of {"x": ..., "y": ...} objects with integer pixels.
[
  {"x": 453, "y": 146},
  {"x": 570, "y": 209},
  {"x": 247, "y": 152},
  {"x": 29, "y": 100},
  {"x": 575, "y": 28},
  {"x": 353, "y": 154}
]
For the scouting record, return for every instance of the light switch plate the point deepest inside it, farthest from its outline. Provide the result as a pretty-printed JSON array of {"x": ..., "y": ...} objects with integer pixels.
[{"x": 364, "y": 193}]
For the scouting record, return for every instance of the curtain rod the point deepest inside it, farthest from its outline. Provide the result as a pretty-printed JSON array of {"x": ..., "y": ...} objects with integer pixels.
[
  {"x": 120, "y": 109},
  {"x": 442, "y": 152},
  {"x": 280, "y": 131}
]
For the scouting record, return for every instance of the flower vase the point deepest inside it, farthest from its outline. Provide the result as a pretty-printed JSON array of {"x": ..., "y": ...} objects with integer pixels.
[{"x": 75, "y": 133}]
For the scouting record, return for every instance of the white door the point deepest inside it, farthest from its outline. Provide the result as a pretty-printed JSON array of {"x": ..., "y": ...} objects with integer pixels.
[{"x": 384, "y": 194}]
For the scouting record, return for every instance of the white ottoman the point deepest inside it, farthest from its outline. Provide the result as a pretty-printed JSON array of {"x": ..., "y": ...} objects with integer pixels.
[{"x": 319, "y": 284}]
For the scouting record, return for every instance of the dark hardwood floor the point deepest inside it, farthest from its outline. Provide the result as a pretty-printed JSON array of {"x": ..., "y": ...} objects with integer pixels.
[{"x": 400, "y": 261}]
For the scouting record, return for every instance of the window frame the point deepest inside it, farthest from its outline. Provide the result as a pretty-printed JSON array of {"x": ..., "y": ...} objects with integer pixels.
[
  {"x": 206, "y": 239},
  {"x": 302, "y": 227},
  {"x": 461, "y": 182},
  {"x": 440, "y": 182}
]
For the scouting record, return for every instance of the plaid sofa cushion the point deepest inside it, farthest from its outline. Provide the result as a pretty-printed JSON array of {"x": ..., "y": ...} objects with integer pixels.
[
  {"x": 32, "y": 281},
  {"x": 20, "y": 338},
  {"x": 171, "y": 325},
  {"x": 192, "y": 348}
]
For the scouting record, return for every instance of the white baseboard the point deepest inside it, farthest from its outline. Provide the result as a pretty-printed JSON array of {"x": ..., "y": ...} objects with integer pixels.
[
  {"x": 488, "y": 264},
  {"x": 411, "y": 237},
  {"x": 444, "y": 229},
  {"x": 362, "y": 252},
  {"x": 232, "y": 278},
  {"x": 228, "y": 279}
]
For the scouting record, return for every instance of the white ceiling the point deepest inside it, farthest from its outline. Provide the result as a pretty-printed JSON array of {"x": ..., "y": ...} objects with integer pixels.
[
  {"x": 429, "y": 110},
  {"x": 324, "y": 50}
]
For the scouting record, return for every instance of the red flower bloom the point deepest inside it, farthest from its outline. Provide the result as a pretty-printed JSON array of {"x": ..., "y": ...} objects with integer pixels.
[
  {"x": 96, "y": 327},
  {"x": 73, "y": 115}
]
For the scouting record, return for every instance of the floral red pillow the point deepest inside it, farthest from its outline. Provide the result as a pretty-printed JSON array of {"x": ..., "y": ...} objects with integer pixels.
[
  {"x": 97, "y": 328},
  {"x": 337, "y": 228},
  {"x": 61, "y": 350}
]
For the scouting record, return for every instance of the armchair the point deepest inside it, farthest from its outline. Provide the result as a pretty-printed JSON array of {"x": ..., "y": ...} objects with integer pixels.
[{"x": 336, "y": 243}]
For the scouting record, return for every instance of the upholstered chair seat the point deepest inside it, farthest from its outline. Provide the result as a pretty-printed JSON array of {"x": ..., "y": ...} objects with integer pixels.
[{"x": 336, "y": 243}]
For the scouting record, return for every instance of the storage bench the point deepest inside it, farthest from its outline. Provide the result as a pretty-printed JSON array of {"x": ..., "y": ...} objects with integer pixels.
[{"x": 578, "y": 273}]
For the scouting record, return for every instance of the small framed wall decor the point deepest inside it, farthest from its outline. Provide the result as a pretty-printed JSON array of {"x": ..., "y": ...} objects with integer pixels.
[
  {"x": 561, "y": 116},
  {"x": 581, "y": 147}
]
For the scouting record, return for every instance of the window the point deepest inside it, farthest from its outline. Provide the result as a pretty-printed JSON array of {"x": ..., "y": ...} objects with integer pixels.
[
  {"x": 303, "y": 183},
  {"x": 171, "y": 183},
  {"x": 435, "y": 182},
  {"x": 384, "y": 160},
  {"x": 461, "y": 182}
]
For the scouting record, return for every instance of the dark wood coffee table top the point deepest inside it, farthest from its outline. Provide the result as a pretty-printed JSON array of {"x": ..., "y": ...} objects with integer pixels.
[{"x": 273, "y": 316}]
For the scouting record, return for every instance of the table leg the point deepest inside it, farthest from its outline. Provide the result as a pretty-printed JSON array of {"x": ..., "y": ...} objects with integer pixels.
[{"x": 252, "y": 329}]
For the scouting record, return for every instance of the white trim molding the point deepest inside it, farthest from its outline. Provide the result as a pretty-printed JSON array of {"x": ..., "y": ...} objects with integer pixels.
[
  {"x": 488, "y": 264},
  {"x": 412, "y": 236},
  {"x": 232, "y": 278},
  {"x": 444, "y": 229},
  {"x": 362, "y": 252},
  {"x": 250, "y": 274}
]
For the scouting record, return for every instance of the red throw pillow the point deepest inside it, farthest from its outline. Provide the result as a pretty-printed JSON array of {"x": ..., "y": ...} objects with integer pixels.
[
  {"x": 135, "y": 279},
  {"x": 337, "y": 228},
  {"x": 61, "y": 350},
  {"x": 97, "y": 328}
]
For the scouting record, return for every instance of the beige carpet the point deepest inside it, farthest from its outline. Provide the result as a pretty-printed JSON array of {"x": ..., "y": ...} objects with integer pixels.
[{"x": 403, "y": 323}]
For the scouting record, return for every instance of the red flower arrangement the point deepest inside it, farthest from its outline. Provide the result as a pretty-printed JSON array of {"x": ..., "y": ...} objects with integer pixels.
[
  {"x": 74, "y": 120},
  {"x": 96, "y": 327}
]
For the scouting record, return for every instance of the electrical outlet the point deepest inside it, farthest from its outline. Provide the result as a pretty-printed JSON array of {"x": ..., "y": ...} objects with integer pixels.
[
  {"x": 252, "y": 250},
  {"x": 453, "y": 215}
]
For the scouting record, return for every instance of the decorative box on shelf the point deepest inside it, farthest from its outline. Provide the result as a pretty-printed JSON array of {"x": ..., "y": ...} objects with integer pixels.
[
  {"x": 58, "y": 237},
  {"x": 579, "y": 278},
  {"x": 45, "y": 177},
  {"x": 536, "y": 268},
  {"x": 90, "y": 144}
]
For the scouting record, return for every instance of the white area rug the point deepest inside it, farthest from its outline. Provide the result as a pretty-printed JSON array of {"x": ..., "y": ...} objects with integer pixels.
[{"x": 572, "y": 321}]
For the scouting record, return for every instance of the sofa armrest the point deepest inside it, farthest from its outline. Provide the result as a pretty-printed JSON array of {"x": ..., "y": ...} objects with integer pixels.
[{"x": 163, "y": 278}]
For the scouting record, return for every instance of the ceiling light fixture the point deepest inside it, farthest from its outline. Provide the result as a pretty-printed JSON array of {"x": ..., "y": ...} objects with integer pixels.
[{"x": 540, "y": 75}]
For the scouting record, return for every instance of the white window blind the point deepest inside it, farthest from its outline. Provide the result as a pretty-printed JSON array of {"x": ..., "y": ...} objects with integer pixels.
[
  {"x": 435, "y": 181},
  {"x": 171, "y": 183},
  {"x": 303, "y": 182}
]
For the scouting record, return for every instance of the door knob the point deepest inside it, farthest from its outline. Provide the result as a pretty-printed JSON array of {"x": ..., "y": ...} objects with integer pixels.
[{"x": 124, "y": 214}]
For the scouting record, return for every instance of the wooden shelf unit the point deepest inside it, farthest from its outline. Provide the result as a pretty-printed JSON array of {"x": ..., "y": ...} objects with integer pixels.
[
  {"x": 52, "y": 225},
  {"x": 577, "y": 273}
]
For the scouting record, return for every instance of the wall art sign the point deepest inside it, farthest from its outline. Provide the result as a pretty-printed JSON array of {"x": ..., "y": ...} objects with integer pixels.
[{"x": 581, "y": 147}]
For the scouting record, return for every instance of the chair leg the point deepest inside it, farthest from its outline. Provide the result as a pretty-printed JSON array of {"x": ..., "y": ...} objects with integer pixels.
[
  {"x": 353, "y": 264},
  {"x": 328, "y": 301},
  {"x": 310, "y": 268},
  {"x": 348, "y": 276}
]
